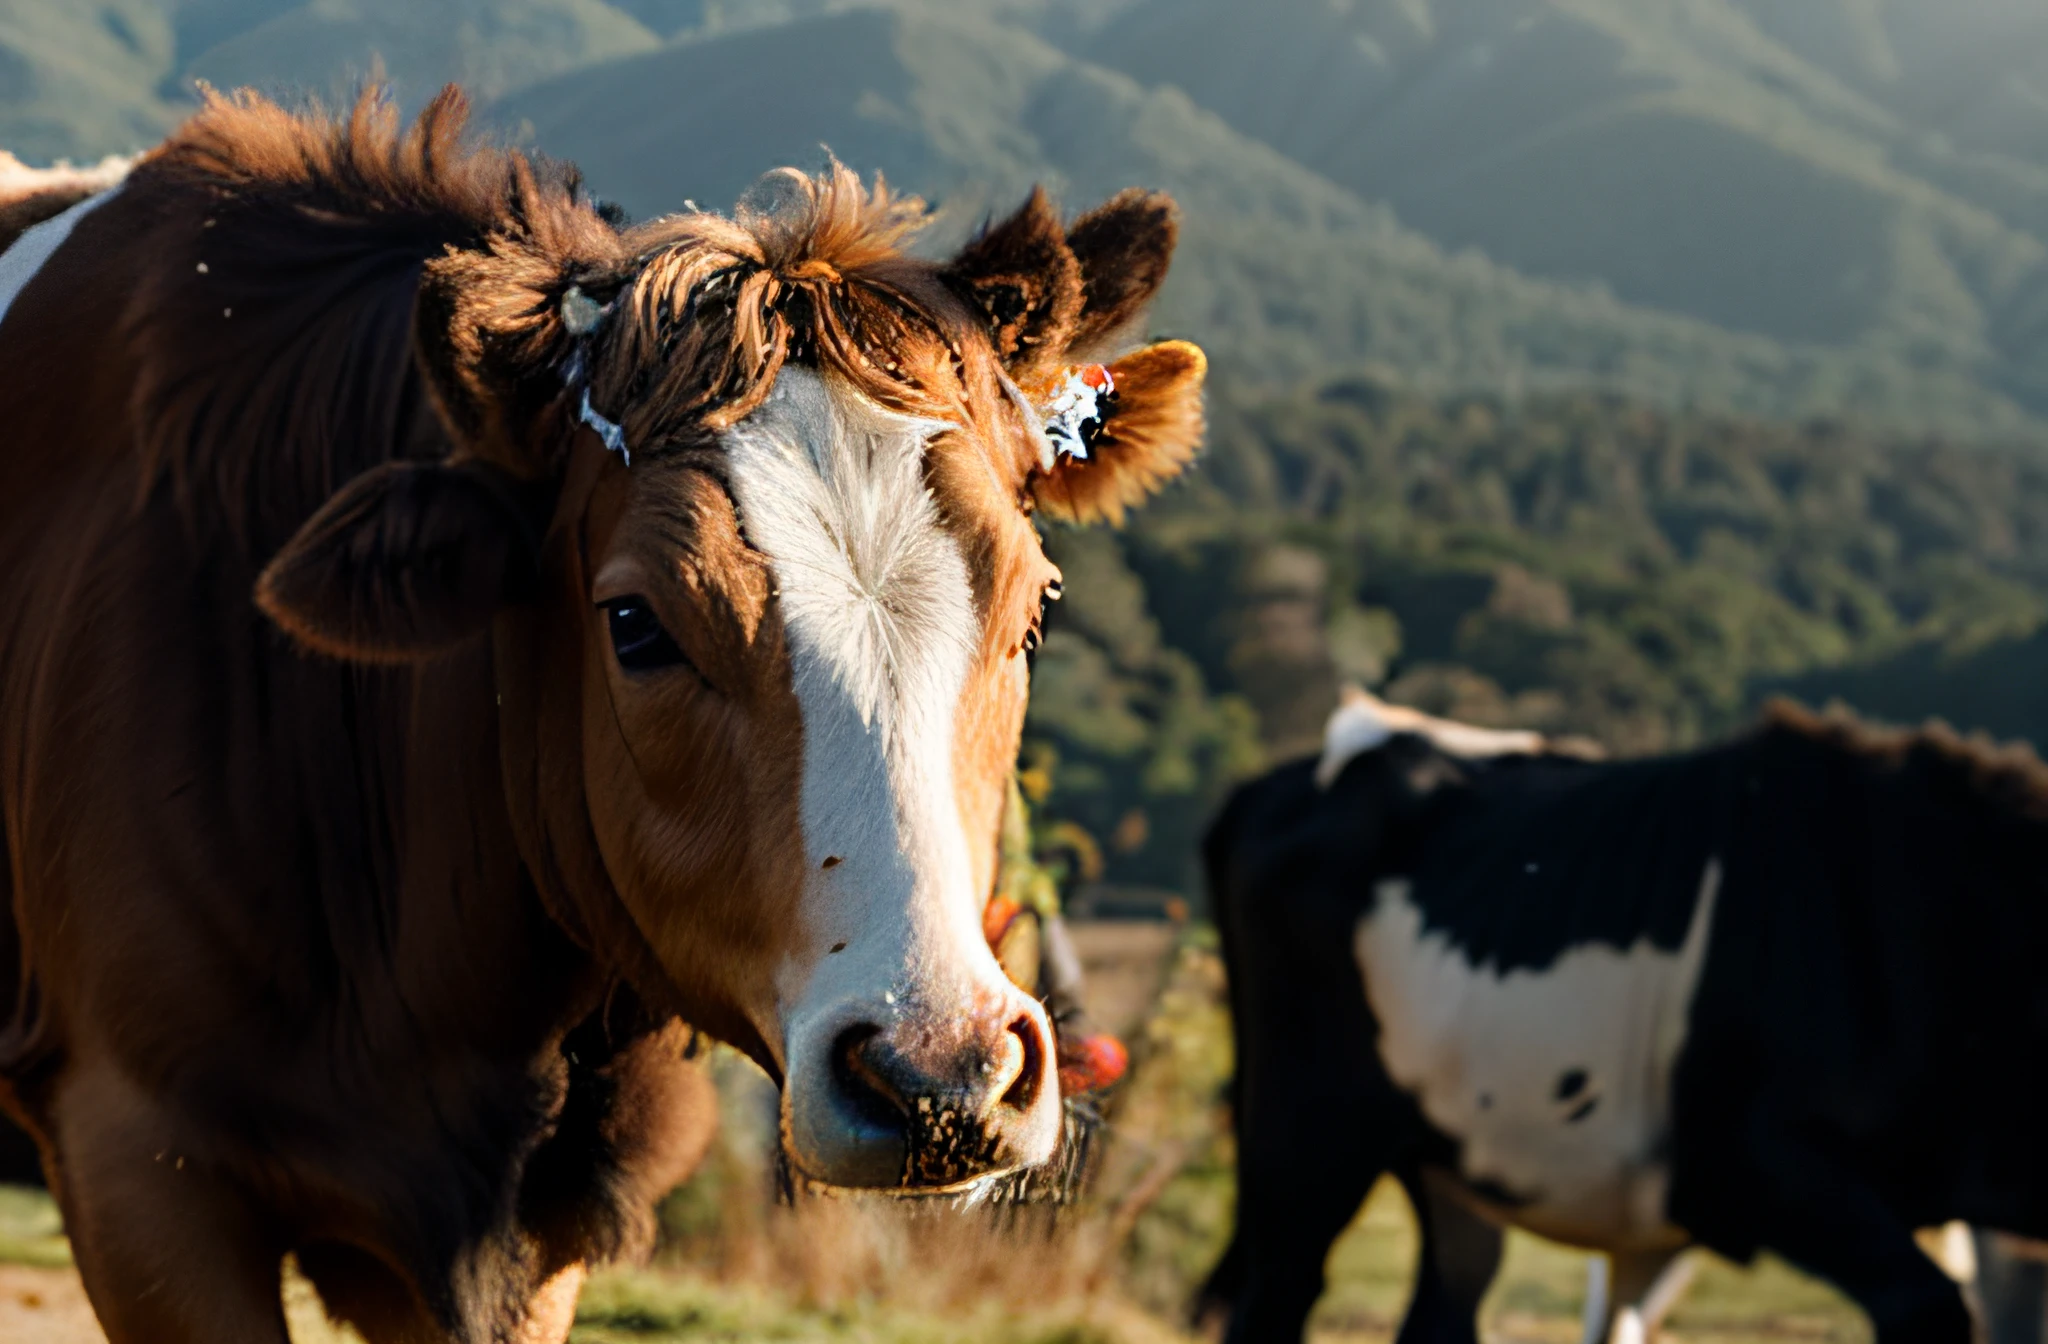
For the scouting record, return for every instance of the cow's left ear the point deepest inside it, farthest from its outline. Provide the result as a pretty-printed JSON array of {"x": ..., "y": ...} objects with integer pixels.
[
  {"x": 1118, "y": 434},
  {"x": 1024, "y": 279},
  {"x": 405, "y": 561}
]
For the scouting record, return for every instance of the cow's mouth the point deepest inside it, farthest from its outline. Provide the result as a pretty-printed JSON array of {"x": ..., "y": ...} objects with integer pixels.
[{"x": 1060, "y": 1180}]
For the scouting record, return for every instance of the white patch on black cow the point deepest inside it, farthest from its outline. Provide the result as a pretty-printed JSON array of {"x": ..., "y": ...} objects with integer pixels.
[
  {"x": 1363, "y": 722},
  {"x": 1555, "y": 1082},
  {"x": 34, "y": 248}
]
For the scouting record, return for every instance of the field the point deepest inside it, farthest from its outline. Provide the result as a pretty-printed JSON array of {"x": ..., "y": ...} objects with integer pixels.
[{"x": 735, "y": 1266}]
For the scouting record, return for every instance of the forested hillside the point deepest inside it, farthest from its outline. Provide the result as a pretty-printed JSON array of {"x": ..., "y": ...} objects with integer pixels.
[{"x": 1577, "y": 564}]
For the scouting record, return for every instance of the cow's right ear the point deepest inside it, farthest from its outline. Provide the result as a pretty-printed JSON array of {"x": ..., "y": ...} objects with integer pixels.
[
  {"x": 496, "y": 326},
  {"x": 405, "y": 562},
  {"x": 489, "y": 337}
]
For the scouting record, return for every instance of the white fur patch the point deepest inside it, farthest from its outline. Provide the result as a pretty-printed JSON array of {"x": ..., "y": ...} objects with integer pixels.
[
  {"x": 19, "y": 179},
  {"x": 20, "y": 263},
  {"x": 880, "y": 613},
  {"x": 1364, "y": 722},
  {"x": 1557, "y": 1082}
]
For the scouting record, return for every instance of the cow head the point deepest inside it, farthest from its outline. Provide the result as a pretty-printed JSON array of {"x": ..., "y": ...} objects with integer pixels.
[{"x": 747, "y": 507}]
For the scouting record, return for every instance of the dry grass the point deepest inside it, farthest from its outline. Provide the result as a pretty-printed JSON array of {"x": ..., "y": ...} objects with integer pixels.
[
  {"x": 1118, "y": 1270},
  {"x": 735, "y": 1265}
]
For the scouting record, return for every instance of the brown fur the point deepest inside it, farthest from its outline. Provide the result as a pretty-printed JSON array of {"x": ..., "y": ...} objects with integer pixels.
[
  {"x": 22, "y": 213},
  {"x": 267, "y": 918},
  {"x": 1123, "y": 247},
  {"x": 376, "y": 956},
  {"x": 1028, "y": 283},
  {"x": 314, "y": 234}
]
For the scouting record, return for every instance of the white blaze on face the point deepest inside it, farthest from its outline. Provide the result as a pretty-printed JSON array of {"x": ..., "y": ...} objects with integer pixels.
[
  {"x": 20, "y": 263},
  {"x": 1556, "y": 1082},
  {"x": 880, "y": 618}
]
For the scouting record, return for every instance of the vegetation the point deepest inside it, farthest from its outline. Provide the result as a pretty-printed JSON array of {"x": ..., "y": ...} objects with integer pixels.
[
  {"x": 1573, "y": 563},
  {"x": 1118, "y": 1270}
]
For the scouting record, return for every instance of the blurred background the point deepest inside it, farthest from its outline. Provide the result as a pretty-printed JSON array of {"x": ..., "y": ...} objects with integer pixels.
[{"x": 1597, "y": 366}]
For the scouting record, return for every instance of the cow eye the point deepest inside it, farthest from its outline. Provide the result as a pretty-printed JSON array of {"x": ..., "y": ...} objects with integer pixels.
[{"x": 638, "y": 641}]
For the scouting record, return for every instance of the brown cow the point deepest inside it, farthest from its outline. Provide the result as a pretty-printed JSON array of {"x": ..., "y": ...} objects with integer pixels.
[{"x": 355, "y": 920}]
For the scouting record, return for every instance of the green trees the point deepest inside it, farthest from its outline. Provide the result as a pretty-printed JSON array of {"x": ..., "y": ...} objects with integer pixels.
[{"x": 1575, "y": 563}]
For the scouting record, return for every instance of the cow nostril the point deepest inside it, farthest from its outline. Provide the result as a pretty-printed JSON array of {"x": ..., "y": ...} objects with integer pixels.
[
  {"x": 1024, "y": 1091},
  {"x": 864, "y": 1089}
]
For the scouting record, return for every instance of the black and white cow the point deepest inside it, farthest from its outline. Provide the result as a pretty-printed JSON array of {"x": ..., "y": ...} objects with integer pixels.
[{"x": 1784, "y": 992}]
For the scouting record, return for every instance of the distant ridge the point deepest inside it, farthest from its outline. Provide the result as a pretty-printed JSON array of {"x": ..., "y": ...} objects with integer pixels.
[
  {"x": 1707, "y": 203},
  {"x": 1869, "y": 173},
  {"x": 1285, "y": 273}
]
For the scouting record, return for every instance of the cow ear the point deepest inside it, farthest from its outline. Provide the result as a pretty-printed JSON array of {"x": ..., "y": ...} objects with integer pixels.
[
  {"x": 1148, "y": 426},
  {"x": 404, "y": 562},
  {"x": 496, "y": 326},
  {"x": 1024, "y": 280},
  {"x": 489, "y": 337},
  {"x": 1123, "y": 248}
]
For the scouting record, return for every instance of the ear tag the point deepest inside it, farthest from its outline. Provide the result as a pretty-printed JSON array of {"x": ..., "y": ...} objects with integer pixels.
[
  {"x": 582, "y": 315},
  {"x": 614, "y": 437},
  {"x": 1074, "y": 416}
]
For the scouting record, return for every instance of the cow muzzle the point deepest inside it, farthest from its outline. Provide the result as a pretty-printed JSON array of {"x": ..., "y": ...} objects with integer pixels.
[{"x": 925, "y": 1100}]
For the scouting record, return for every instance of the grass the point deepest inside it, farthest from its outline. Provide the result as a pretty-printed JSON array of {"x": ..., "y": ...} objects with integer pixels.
[
  {"x": 31, "y": 1233},
  {"x": 1119, "y": 1270}
]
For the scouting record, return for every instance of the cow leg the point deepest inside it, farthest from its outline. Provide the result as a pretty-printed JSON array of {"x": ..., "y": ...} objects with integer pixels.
[
  {"x": 2012, "y": 1291},
  {"x": 1643, "y": 1287},
  {"x": 1316, "y": 1120},
  {"x": 1306, "y": 1160},
  {"x": 1596, "y": 1315},
  {"x": 359, "y": 1291},
  {"x": 552, "y": 1310},
  {"x": 1289, "y": 1214},
  {"x": 169, "y": 1254},
  {"x": 1458, "y": 1255},
  {"x": 1827, "y": 1221}
]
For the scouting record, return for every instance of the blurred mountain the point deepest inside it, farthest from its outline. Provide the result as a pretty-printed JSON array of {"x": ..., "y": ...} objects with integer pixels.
[
  {"x": 490, "y": 46},
  {"x": 1863, "y": 172},
  {"x": 1974, "y": 75},
  {"x": 1284, "y": 272},
  {"x": 84, "y": 78}
]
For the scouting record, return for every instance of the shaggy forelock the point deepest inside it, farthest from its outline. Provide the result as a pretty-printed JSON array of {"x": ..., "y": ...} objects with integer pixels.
[{"x": 716, "y": 307}]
